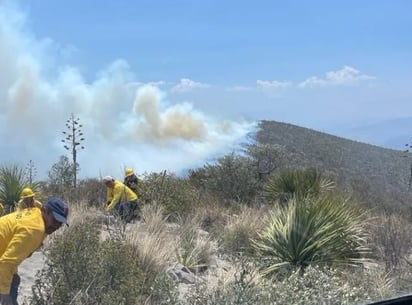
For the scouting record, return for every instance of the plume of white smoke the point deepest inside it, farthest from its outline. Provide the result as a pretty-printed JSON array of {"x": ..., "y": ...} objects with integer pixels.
[
  {"x": 177, "y": 122},
  {"x": 122, "y": 127}
]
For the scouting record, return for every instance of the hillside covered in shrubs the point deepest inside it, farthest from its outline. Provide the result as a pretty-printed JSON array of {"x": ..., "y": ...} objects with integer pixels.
[
  {"x": 376, "y": 176},
  {"x": 297, "y": 217}
]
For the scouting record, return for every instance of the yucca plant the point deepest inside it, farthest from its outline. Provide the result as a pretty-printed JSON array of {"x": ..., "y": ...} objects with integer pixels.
[
  {"x": 322, "y": 230},
  {"x": 297, "y": 183},
  {"x": 12, "y": 182}
]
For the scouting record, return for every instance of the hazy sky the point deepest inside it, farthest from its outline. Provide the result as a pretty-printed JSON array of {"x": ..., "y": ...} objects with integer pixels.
[{"x": 171, "y": 84}]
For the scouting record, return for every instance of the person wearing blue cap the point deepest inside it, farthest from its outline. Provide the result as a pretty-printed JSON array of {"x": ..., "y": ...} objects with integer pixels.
[{"x": 21, "y": 233}]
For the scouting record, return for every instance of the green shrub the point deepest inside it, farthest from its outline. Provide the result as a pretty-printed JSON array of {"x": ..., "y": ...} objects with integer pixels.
[
  {"x": 80, "y": 269},
  {"x": 92, "y": 191},
  {"x": 325, "y": 230},
  {"x": 176, "y": 195},
  {"x": 232, "y": 178},
  {"x": 326, "y": 287},
  {"x": 315, "y": 287}
]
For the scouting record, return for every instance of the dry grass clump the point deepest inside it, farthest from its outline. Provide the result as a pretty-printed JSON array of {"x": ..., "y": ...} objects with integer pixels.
[
  {"x": 80, "y": 211},
  {"x": 390, "y": 239},
  {"x": 152, "y": 240},
  {"x": 242, "y": 227},
  {"x": 194, "y": 246},
  {"x": 225, "y": 273},
  {"x": 154, "y": 218},
  {"x": 211, "y": 214},
  {"x": 239, "y": 283}
]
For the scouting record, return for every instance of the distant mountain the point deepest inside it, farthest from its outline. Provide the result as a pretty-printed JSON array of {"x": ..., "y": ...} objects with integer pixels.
[
  {"x": 393, "y": 133},
  {"x": 375, "y": 176}
]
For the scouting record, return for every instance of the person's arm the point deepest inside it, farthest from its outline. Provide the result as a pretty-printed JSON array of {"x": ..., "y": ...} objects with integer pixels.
[
  {"x": 109, "y": 196},
  {"x": 20, "y": 205},
  {"x": 24, "y": 242},
  {"x": 37, "y": 204},
  {"x": 117, "y": 193}
]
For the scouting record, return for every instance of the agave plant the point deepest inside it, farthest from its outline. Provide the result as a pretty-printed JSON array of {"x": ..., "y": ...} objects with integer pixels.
[
  {"x": 12, "y": 182},
  {"x": 297, "y": 183},
  {"x": 322, "y": 230}
]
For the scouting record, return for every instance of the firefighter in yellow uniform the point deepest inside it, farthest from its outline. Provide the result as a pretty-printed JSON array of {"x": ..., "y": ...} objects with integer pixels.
[
  {"x": 27, "y": 200},
  {"x": 131, "y": 180},
  {"x": 120, "y": 198},
  {"x": 21, "y": 233}
]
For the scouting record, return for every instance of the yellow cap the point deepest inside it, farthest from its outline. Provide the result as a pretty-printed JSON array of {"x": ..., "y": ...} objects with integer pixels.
[
  {"x": 129, "y": 172},
  {"x": 26, "y": 193}
]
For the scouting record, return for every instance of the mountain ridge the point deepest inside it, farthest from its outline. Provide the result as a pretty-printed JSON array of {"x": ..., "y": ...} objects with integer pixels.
[{"x": 376, "y": 176}]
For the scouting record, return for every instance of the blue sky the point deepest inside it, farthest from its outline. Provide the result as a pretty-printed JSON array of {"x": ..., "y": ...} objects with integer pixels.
[
  {"x": 231, "y": 42},
  {"x": 334, "y": 66}
]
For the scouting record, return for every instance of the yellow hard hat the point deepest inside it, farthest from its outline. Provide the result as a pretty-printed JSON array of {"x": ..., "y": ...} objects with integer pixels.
[
  {"x": 26, "y": 193},
  {"x": 129, "y": 171}
]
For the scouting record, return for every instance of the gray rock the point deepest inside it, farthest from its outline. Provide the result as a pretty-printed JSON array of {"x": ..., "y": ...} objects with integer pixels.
[{"x": 181, "y": 274}]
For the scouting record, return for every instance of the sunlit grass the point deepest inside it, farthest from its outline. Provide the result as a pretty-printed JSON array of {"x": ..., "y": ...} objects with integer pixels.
[
  {"x": 152, "y": 240},
  {"x": 242, "y": 227}
]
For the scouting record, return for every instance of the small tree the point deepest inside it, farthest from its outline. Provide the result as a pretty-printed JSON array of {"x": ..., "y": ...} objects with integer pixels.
[
  {"x": 73, "y": 142},
  {"x": 61, "y": 174},
  {"x": 268, "y": 158}
]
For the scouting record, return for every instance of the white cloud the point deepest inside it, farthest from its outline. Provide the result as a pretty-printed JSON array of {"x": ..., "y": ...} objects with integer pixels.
[
  {"x": 345, "y": 76},
  {"x": 186, "y": 84},
  {"x": 158, "y": 83},
  {"x": 136, "y": 84},
  {"x": 272, "y": 84},
  {"x": 239, "y": 89}
]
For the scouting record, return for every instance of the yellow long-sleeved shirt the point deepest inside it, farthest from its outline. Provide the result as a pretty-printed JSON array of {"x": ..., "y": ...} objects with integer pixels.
[
  {"x": 22, "y": 204},
  {"x": 21, "y": 233},
  {"x": 119, "y": 193}
]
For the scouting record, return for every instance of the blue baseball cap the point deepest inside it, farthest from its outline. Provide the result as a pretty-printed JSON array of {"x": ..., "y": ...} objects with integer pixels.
[{"x": 59, "y": 209}]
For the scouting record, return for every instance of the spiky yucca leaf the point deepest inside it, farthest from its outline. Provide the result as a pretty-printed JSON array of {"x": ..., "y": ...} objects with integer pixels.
[
  {"x": 12, "y": 182},
  {"x": 297, "y": 183},
  {"x": 323, "y": 230}
]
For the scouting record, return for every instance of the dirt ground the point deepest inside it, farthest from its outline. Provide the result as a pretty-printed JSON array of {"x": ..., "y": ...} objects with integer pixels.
[{"x": 27, "y": 272}]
